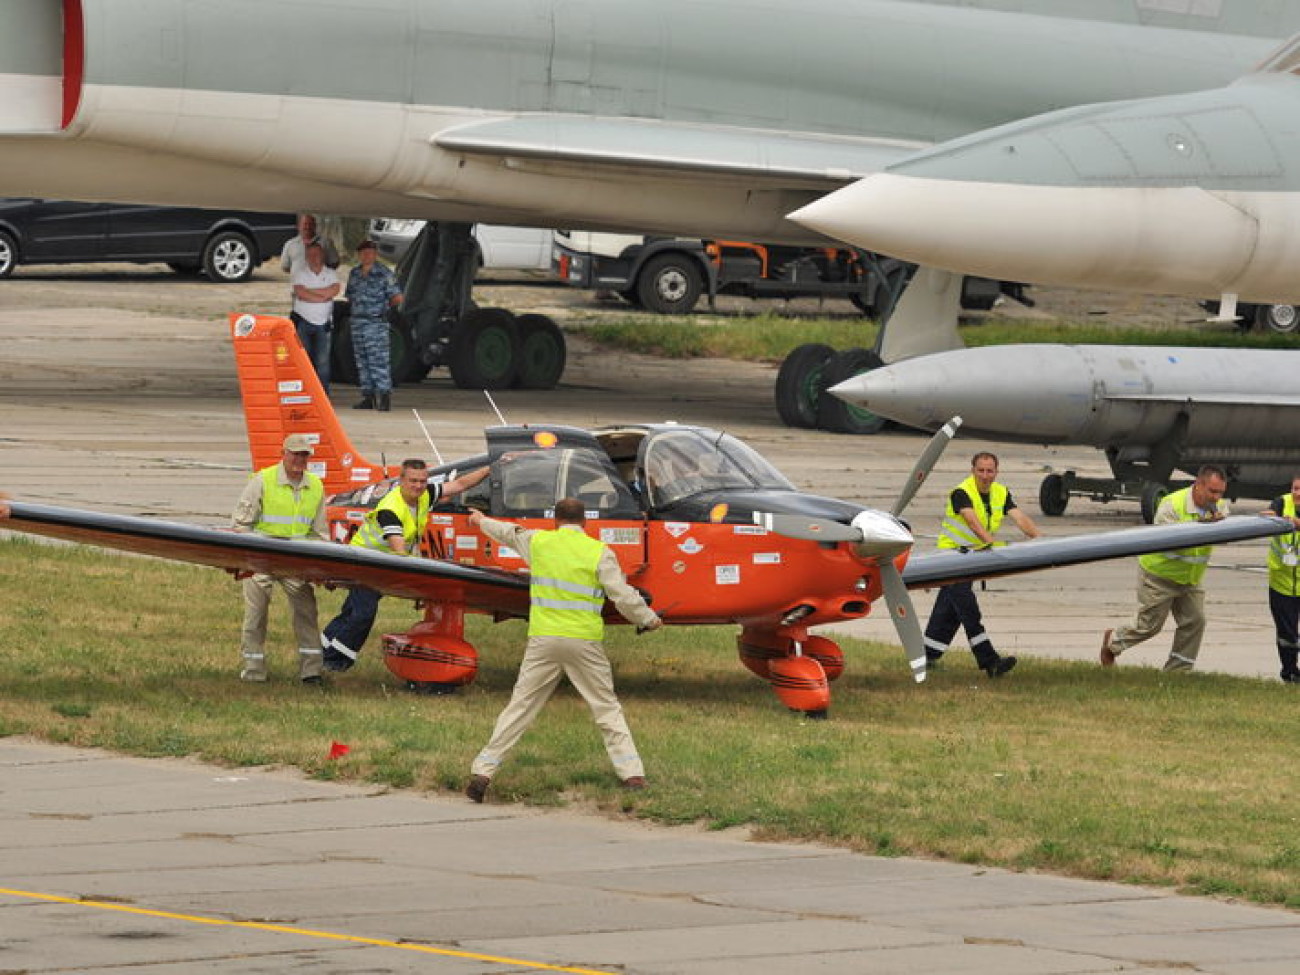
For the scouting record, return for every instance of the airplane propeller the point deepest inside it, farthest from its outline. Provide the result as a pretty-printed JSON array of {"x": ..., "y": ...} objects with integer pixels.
[{"x": 880, "y": 536}]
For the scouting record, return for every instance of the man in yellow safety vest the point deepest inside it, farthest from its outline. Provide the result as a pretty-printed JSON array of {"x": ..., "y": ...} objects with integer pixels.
[
  {"x": 572, "y": 574},
  {"x": 1284, "y": 583},
  {"x": 1171, "y": 581},
  {"x": 393, "y": 525},
  {"x": 976, "y": 509},
  {"x": 283, "y": 501}
]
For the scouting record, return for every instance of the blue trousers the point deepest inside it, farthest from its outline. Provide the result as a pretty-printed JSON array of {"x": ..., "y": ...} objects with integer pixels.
[
  {"x": 346, "y": 633},
  {"x": 958, "y": 607},
  {"x": 1286, "y": 614},
  {"x": 370, "y": 347},
  {"x": 316, "y": 341}
]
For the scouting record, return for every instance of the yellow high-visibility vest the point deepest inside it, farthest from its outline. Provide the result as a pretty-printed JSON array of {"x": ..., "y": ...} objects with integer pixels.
[
  {"x": 371, "y": 533},
  {"x": 956, "y": 533},
  {"x": 1185, "y": 566},
  {"x": 288, "y": 512},
  {"x": 567, "y": 597},
  {"x": 1284, "y": 555}
]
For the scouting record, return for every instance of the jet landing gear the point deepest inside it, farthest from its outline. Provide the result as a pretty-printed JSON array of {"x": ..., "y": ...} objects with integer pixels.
[
  {"x": 483, "y": 348},
  {"x": 799, "y": 667}
]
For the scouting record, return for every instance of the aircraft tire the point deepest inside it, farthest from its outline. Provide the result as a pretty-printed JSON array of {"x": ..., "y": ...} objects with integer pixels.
[
  {"x": 1152, "y": 495},
  {"x": 833, "y": 413},
  {"x": 799, "y": 385},
  {"x": 670, "y": 284},
  {"x": 8, "y": 254},
  {"x": 1052, "y": 496},
  {"x": 229, "y": 257},
  {"x": 542, "y": 352},
  {"x": 484, "y": 350}
]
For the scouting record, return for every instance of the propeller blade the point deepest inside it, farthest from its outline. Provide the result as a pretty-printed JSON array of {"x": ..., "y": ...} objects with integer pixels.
[
  {"x": 806, "y": 527},
  {"x": 905, "y": 621},
  {"x": 929, "y": 457}
]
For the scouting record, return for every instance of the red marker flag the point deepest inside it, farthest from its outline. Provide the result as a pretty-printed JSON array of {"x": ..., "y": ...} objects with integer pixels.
[{"x": 338, "y": 749}]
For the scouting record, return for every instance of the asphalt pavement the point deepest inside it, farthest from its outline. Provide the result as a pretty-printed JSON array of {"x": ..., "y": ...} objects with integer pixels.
[{"x": 114, "y": 865}]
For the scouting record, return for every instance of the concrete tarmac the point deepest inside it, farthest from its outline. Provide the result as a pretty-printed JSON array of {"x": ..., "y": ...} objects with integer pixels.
[{"x": 165, "y": 867}]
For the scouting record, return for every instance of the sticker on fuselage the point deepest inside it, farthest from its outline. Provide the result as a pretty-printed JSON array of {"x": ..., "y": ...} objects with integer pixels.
[
  {"x": 690, "y": 547},
  {"x": 620, "y": 536},
  {"x": 318, "y": 468},
  {"x": 289, "y": 386},
  {"x": 748, "y": 530},
  {"x": 506, "y": 552},
  {"x": 726, "y": 575},
  {"x": 467, "y": 541},
  {"x": 294, "y": 400},
  {"x": 679, "y": 567},
  {"x": 442, "y": 519},
  {"x": 244, "y": 326},
  {"x": 767, "y": 558},
  {"x": 677, "y": 528},
  {"x": 361, "y": 473}
]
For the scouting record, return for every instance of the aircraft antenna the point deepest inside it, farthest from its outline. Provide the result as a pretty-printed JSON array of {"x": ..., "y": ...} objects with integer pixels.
[
  {"x": 494, "y": 408},
  {"x": 432, "y": 445}
]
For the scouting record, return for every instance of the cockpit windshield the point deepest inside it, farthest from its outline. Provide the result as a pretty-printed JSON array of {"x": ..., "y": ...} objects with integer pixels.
[
  {"x": 681, "y": 463},
  {"x": 1284, "y": 60}
]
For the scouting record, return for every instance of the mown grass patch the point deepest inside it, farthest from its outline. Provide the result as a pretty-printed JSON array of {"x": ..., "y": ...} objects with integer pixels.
[{"x": 1183, "y": 780}]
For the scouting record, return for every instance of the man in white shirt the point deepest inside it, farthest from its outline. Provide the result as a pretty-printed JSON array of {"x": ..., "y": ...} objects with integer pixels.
[
  {"x": 294, "y": 253},
  {"x": 315, "y": 287}
]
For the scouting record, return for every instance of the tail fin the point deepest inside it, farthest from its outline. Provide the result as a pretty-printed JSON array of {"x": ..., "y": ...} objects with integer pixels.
[{"x": 282, "y": 396}]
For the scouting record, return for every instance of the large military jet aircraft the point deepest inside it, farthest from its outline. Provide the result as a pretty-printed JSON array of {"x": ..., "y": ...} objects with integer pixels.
[{"x": 713, "y": 118}]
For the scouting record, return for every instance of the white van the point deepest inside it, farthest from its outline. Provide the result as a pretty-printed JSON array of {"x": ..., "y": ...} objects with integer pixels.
[{"x": 500, "y": 248}]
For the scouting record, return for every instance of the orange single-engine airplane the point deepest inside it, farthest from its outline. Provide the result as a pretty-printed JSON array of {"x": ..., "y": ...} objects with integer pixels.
[{"x": 700, "y": 522}]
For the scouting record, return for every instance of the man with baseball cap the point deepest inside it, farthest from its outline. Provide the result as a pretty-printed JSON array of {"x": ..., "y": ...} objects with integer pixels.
[{"x": 282, "y": 501}]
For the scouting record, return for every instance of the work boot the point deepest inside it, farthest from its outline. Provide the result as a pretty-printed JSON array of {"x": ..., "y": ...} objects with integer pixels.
[
  {"x": 367, "y": 402},
  {"x": 634, "y": 783},
  {"x": 1107, "y": 654},
  {"x": 478, "y": 786},
  {"x": 310, "y": 665},
  {"x": 999, "y": 666},
  {"x": 384, "y": 403}
]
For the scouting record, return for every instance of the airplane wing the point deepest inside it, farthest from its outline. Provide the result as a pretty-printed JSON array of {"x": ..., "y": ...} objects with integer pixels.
[
  {"x": 783, "y": 158},
  {"x": 394, "y": 575},
  {"x": 942, "y": 568}
]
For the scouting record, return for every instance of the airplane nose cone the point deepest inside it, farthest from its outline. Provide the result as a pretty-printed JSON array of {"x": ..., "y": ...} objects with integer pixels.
[{"x": 883, "y": 535}]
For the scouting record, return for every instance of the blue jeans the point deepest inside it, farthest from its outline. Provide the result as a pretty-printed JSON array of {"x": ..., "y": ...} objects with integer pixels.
[
  {"x": 345, "y": 635},
  {"x": 316, "y": 342}
]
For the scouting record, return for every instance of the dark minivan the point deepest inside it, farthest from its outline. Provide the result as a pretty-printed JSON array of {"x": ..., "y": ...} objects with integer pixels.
[{"x": 225, "y": 245}]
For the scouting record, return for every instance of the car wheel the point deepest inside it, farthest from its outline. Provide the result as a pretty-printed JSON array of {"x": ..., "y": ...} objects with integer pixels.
[
  {"x": 799, "y": 384},
  {"x": 8, "y": 255},
  {"x": 484, "y": 350},
  {"x": 1283, "y": 319},
  {"x": 833, "y": 413},
  {"x": 542, "y": 352},
  {"x": 228, "y": 257},
  {"x": 670, "y": 284}
]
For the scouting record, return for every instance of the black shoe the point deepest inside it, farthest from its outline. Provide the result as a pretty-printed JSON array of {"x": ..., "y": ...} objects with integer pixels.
[
  {"x": 478, "y": 786},
  {"x": 316, "y": 680},
  {"x": 366, "y": 403},
  {"x": 384, "y": 403},
  {"x": 1291, "y": 678},
  {"x": 1000, "y": 666},
  {"x": 337, "y": 663},
  {"x": 932, "y": 658}
]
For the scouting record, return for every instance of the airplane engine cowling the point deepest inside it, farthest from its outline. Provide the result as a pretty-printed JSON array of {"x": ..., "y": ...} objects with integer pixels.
[
  {"x": 800, "y": 683},
  {"x": 430, "y": 658}
]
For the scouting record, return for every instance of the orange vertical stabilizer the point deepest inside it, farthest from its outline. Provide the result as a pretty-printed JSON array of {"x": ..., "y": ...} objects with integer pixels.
[{"x": 282, "y": 396}]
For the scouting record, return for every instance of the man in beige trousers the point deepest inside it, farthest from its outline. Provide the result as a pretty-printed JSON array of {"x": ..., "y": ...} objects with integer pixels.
[{"x": 572, "y": 574}]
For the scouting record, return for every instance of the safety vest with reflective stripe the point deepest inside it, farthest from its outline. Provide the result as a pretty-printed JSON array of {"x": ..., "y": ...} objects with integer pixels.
[
  {"x": 1283, "y": 556},
  {"x": 1185, "y": 566},
  {"x": 956, "y": 533},
  {"x": 371, "y": 533},
  {"x": 286, "y": 512},
  {"x": 567, "y": 597}
]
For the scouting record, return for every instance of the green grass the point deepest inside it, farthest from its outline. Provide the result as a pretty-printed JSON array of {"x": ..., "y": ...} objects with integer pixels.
[
  {"x": 1186, "y": 781},
  {"x": 770, "y": 337}
]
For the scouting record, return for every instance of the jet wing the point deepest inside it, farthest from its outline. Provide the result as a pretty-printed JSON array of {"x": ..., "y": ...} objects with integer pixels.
[
  {"x": 394, "y": 575},
  {"x": 820, "y": 161},
  {"x": 941, "y": 568}
]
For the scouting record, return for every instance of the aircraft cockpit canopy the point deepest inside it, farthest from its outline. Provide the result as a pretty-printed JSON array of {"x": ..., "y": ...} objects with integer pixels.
[
  {"x": 1284, "y": 60},
  {"x": 679, "y": 463},
  {"x": 532, "y": 481}
]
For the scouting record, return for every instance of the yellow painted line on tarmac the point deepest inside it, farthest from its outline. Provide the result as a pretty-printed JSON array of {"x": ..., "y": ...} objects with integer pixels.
[{"x": 305, "y": 932}]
